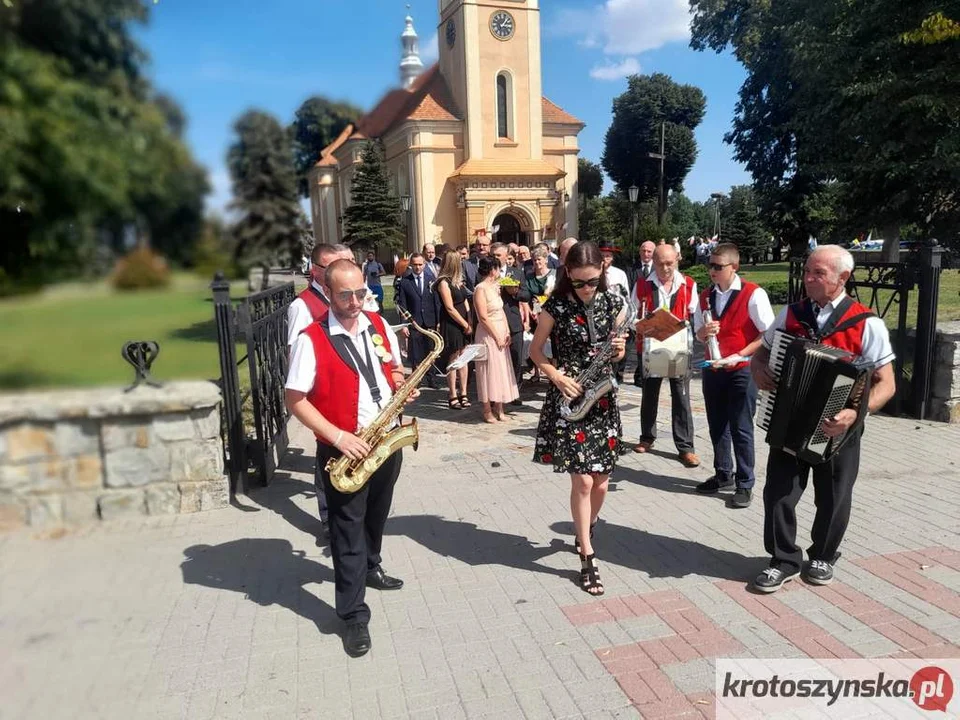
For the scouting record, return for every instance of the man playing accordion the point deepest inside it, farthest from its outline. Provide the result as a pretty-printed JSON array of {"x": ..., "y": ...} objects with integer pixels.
[{"x": 830, "y": 317}]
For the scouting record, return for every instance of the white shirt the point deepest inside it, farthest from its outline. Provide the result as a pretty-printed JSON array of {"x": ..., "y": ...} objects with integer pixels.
[
  {"x": 761, "y": 312},
  {"x": 617, "y": 281},
  {"x": 876, "y": 338},
  {"x": 664, "y": 300},
  {"x": 303, "y": 366},
  {"x": 298, "y": 315}
]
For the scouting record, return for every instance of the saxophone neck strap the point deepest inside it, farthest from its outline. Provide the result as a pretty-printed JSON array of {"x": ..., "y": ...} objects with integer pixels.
[{"x": 351, "y": 356}]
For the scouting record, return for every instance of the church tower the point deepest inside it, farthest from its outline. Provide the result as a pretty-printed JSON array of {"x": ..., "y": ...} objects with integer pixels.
[
  {"x": 410, "y": 63},
  {"x": 490, "y": 55}
]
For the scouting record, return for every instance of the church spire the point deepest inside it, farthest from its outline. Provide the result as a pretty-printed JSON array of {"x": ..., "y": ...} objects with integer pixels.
[{"x": 410, "y": 64}]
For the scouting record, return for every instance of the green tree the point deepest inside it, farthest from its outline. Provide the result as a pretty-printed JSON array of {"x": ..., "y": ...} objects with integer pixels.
[
  {"x": 652, "y": 100},
  {"x": 861, "y": 94},
  {"x": 317, "y": 123},
  {"x": 84, "y": 150},
  {"x": 265, "y": 192},
  {"x": 598, "y": 221},
  {"x": 589, "y": 178},
  {"x": 683, "y": 216},
  {"x": 373, "y": 218},
  {"x": 742, "y": 224}
]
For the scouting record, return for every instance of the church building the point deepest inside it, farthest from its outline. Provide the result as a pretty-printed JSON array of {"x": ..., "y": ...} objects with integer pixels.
[{"x": 472, "y": 145}]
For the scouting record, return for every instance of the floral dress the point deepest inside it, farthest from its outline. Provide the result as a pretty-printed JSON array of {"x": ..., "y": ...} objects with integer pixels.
[{"x": 590, "y": 445}]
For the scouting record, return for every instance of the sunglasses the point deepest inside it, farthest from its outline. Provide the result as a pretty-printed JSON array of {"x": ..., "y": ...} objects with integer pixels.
[
  {"x": 579, "y": 284},
  {"x": 718, "y": 267},
  {"x": 345, "y": 295}
]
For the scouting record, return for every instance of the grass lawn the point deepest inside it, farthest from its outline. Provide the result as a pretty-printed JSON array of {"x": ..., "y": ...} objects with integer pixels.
[{"x": 72, "y": 335}]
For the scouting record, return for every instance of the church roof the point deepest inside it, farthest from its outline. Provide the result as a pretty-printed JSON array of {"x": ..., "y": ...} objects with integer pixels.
[
  {"x": 429, "y": 98},
  {"x": 507, "y": 168},
  {"x": 553, "y": 113}
]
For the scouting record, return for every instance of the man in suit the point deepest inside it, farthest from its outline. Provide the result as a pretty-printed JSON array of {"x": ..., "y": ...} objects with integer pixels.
[
  {"x": 513, "y": 301},
  {"x": 417, "y": 295},
  {"x": 469, "y": 268},
  {"x": 432, "y": 268}
]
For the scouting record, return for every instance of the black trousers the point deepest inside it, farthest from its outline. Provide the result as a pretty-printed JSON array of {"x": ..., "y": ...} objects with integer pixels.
[
  {"x": 832, "y": 492},
  {"x": 356, "y": 532},
  {"x": 681, "y": 414},
  {"x": 731, "y": 400},
  {"x": 516, "y": 351}
]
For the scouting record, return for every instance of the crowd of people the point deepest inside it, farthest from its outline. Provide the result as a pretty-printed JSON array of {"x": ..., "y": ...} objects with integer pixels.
[{"x": 565, "y": 316}]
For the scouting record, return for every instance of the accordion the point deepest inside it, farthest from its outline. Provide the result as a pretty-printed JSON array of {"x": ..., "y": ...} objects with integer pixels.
[{"x": 814, "y": 383}]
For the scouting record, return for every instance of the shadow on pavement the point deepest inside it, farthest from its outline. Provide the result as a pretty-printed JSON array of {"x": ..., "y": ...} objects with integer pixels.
[
  {"x": 473, "y": 545},
  {"x": 267, "y": 572},
  {"x": 660, "y": 556}
]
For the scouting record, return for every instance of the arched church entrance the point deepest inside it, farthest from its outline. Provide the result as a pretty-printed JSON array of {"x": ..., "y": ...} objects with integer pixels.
[{"x": 510, "y": 230}]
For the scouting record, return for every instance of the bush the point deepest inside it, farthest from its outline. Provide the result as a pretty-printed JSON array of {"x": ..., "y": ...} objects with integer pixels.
[
  {"x": 778, "y": 291},
  {"x": 700, "y": 274},
  {"x": 141, "y": 268}
]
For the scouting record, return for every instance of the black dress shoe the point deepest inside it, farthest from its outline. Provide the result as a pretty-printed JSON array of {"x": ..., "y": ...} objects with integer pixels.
[
  {"x": 741, "y": 498},
  {"x": 381, "y": 581},
  {"x": 713, "y": 485},
  {"x": 356, "y": 640}
]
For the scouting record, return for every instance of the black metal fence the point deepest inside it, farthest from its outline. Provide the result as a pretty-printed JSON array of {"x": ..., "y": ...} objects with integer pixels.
[
  {"x": 885, "y": 288},
  {"x": 259, "y": 321}
]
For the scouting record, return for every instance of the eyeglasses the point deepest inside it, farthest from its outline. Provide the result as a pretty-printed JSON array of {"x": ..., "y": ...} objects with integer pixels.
[
  {"x": 345, "y": 295},
  {"x": 322, "y": 267},
  {"x": 579, "y": 284},
  {"x": 718, "y": 267}
]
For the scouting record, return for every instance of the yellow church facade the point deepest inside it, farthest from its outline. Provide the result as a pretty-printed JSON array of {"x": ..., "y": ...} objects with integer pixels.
[{"x": 472, "y": 145}]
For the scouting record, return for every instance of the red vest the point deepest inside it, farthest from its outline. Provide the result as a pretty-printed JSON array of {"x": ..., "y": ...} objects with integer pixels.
[
  {"x": 336, "y": 388},
  {"x": 736, "y": 327},
  {"x": 648, "y": 295},
  {"x": 849, "y": 339},
  {"x": 316, "y": 305}
]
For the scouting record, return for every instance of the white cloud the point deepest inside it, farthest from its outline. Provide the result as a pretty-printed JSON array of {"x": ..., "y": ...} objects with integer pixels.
[
  {"x": 430, "y": 52},
  {"x": 615, "y": 71},
  {"x": 626, "y": 27}
]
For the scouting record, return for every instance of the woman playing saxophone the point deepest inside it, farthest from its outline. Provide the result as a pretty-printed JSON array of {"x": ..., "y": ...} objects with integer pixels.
[{"x": 580, "y": 317}]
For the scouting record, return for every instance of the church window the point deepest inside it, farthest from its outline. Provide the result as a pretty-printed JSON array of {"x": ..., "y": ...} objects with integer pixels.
[{"x": 504, "y": 105}]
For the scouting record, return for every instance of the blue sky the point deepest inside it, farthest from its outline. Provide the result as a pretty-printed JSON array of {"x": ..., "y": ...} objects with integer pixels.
[{"x": 221, "y": 58}]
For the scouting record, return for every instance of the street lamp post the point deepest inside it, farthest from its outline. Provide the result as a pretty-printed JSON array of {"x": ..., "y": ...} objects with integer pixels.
[
  {"x": 661, "y": 156},
  {"x": 717, "y": 228},
  {"x": 633, "y": 191},
  {"x": 405, "y": 205}
]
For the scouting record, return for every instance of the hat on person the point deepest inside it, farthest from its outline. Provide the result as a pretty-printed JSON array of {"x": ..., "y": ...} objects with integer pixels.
[{"x": 606, "y": 246}]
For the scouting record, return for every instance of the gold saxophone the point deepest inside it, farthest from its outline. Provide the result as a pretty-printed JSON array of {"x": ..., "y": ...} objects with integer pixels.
[{"x": 349, "y": 476}]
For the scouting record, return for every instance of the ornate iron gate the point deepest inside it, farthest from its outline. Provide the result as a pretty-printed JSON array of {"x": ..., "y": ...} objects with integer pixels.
[
  {"x": 260, "y": 322},
  {"x": 885, "y": 288}
]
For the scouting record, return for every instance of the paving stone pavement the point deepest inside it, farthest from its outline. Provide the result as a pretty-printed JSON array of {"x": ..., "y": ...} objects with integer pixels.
[{"x": 228, "y": 614}]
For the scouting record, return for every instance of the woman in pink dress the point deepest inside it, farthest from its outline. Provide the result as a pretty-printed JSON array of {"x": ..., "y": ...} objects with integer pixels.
[{"x": 496, "y": 383}]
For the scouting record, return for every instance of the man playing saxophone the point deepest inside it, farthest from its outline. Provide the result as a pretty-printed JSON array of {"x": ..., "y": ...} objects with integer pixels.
[{"x": 345, "y": 368}]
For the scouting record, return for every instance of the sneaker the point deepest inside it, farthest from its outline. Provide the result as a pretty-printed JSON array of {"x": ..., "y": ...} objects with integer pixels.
[
  {"x": 773, "y": 578},
  {"x": 818, "y": 572},
  {"x": 713, "y": 485},
  {"x": 741, "y": 498}
]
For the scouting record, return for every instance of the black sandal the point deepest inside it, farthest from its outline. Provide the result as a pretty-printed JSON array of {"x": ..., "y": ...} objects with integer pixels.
[
  {"x": 464, "y": 401},
  {"x": 590, "y": 581},
  {"x": 453, "y": 403},
  {"x": 576, "y": 539}
]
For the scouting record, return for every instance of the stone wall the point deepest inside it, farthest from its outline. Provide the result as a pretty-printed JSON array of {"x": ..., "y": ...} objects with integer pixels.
[
  {"x": 945, "y": 386},
  {"x": 81, "y": 455}
]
